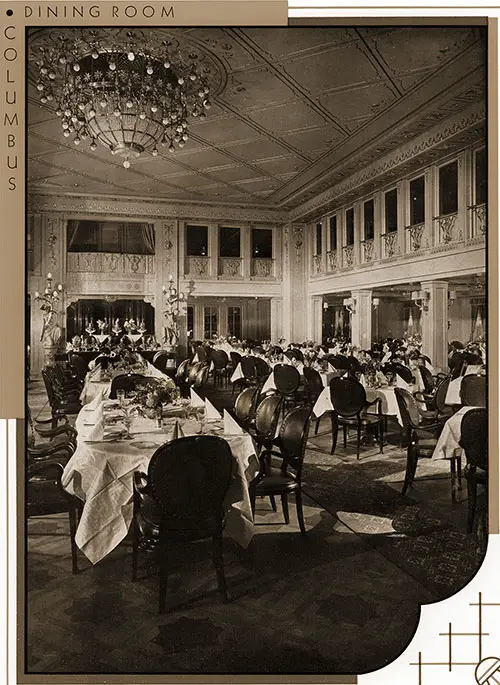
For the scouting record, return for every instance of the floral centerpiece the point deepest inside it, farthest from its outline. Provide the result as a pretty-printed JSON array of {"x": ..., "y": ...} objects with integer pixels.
[
  {"x": 90, "y": 328},
  {"x": 130, "y": 326},
  {"x": 117, "y": 329},
  {"x": 152, "y": 393}
]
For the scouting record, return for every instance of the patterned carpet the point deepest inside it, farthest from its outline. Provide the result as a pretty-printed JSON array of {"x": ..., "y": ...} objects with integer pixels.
[{"x": 345, "y": 599}]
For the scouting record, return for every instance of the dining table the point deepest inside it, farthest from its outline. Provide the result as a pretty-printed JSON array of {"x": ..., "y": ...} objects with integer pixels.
[
  {"x": 100, "y": 472},
  {"x": 386, "y": 394},
  {"x": 454, "y": 387},
  {"x": 448, "y": 444}
]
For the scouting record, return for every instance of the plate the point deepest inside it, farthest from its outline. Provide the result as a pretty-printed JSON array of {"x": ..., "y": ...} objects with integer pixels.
[{"x": 143, "y": 444}]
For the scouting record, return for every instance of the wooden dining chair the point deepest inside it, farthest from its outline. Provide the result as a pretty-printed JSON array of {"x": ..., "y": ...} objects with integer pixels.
[
  {"x": 350, "y": 409},
  {"x": 421, "y": 439},
  {"x": 473, "y": 391},
  {"x": 474, "y": 440},
  {"x": 286, "y": 479},
  {"x": 181, "y": 500}
]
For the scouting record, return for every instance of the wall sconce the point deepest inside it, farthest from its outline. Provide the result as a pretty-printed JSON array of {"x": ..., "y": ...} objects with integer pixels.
[
  {"x": 325, "y": 306},
  {"x": 375, "y": 302},
  {"x": 421, "y": 299},
  {"x": 49, "y": 299},
  {"x": 350, "y": 304},
  {"x": 452, "y": 296}
]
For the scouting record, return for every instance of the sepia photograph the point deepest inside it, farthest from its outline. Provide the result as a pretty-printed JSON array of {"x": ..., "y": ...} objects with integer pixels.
[{"x": 256, "y": 343}]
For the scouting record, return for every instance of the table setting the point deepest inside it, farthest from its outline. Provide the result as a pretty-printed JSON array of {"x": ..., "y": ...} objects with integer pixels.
[{"x": 118, "y": 437}]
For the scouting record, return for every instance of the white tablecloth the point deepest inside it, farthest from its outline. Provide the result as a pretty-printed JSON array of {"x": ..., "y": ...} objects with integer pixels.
[
  {"x": 447, "y": 444},
  {"x": 101, "y": 475},
  {"x": 453, "y": 392},
  {"x": 387, "y": 395}
]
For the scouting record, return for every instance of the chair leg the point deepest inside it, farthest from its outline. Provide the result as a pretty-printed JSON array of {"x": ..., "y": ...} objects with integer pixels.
[
  {"x": 411, "y": 467},
  {"x": 284, "y": 504},
  {"x": 381, "y": 435},
  {"x": 273, "y": 502},
  {"x": 358, "y": 439},
  {"x": 317, "y": 426},
  {"x": 471, "y": 502},
  {"x": 300, "y": 513},
  {"x": 219, "y": 565},
  {"x": 135, "y": 548},
  {"x": 72, "y": 533},
  {"x": 335, "y": 432},
  {"x": 459, "y": 472},
  {"x": 345, "y": 437},
  {"x": 162, "y": 551}
]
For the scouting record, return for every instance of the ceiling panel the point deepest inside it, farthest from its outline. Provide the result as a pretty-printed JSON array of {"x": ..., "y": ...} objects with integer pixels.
[
  {"x": 223, "y": 129},
  {"x": 256, "y": 150},
  {"x": 286, "y": 42},
  {"x": 292, "y": 116},
  {"x": 359, "y": 102},
  {"x": 347, "y": 66},
  {"x": 247, "y": 90}
]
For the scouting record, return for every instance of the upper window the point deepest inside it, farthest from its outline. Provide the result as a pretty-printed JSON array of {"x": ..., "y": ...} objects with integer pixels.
[
  {"x": 262, "y": 243},
  {"x": 369, "y": 219},
  {"x": 349, "y": 227},
  {"x": 319, "y": 238},
  {"x": 481, "y": 175},
  {"x": 391, "y": 211},
  {"x": 333, "y": 232},
  {"x": 448, "y": 188},
  {"x": 110, "y": 236},
  {"x": 417, "y": 201},
  {"x": 197, "y": 241},
  {"x": 229, "y": 242}
]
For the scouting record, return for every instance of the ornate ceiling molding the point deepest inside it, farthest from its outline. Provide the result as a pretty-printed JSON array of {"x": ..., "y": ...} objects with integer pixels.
[
  {"x": 118, "y": 206},
  {"x": 414, "y": 149}
]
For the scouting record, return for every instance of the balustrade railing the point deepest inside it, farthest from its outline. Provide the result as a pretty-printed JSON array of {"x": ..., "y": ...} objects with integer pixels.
[
  {"x": 416, "y": 238},
  {"x": 316, "y": 264},
  {"x": 349, "y": 255},
  {"x": 447, "y": 230},
  {"x": 109, "y": 262},
  {"x": 262, "y": 268},
  {"x": 368, "y": 250},
  {"x": 198, "y": 267},
  {"x": 332, "y": 260},
  {"x": 478, "y": 220},
  {"x": 230, "y": 267},
  {"x": 390, "y": 243}
]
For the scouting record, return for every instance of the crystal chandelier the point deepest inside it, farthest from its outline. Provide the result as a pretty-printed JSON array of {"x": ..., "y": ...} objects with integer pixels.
[{"x": 118, "y": 90}]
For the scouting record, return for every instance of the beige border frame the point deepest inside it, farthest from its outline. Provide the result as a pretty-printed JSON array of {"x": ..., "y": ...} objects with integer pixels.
[{"x": 270, "y": 12}]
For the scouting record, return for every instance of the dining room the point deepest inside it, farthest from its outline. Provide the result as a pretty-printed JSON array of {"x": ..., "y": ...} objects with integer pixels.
[{"x": 256, "y": 348}]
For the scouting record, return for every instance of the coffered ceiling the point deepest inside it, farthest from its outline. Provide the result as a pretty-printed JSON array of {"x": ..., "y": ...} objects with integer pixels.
[{"x": 298, "y": 110}]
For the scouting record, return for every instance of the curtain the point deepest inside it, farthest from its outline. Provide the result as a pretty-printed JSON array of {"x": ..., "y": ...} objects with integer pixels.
[
  {"x": 73, "y": 227},
  {"x": 148, "y": 235}
]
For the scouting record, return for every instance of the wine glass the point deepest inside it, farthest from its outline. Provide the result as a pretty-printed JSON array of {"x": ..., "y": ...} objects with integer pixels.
[
  {"x": 128, "y": 408},
  {"x": 120, "y": 396}
]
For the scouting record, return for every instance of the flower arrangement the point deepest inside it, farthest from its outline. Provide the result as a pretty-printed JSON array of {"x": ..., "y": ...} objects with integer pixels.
[
  {"x": 90, "y": 329},
  {"x": 102, "y": 326},
  {"x": 117, "y": 329},
  {"x": 130, "y": 325},
  {"x": 152, "y": 394}
]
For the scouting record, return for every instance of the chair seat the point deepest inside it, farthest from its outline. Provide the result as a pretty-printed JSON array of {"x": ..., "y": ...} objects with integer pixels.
[
  {"x": 45, "y": 498},
  {"x": 275, "y": 482},
  {"x": 365, "y": 419}
]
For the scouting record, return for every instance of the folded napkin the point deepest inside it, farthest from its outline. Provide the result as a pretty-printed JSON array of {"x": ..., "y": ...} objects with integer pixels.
[
  {"x": 175, "y": 433},
  {"x": 472, "y": 369},
  {"x": 401, "y": 383},
  {"x": 210, "y": 411},
  {"x": 330, "y": 368},
  {"x": 96, "y": 433},
  {"x": 230, "y": 425},
  {"x": 196, "y": 400},
  {"x": 362, "y": 380},
  {"x": 92, "y": 406},
  {"x": 386, "y": 357},
  {"x": 90, "y": 418},
  {"x": 321, "y": 353}
]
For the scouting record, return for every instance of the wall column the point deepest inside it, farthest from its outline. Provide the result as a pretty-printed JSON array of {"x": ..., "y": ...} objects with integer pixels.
[
  {"x": 459, "y": 316},
  {"x": 316, "y": 327},
  {"x": 294, "y": 284},
  {"x": 361, "y": 319},
  {"x": 276, "y": 319},
  {"x": 435, "y": 323}
]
